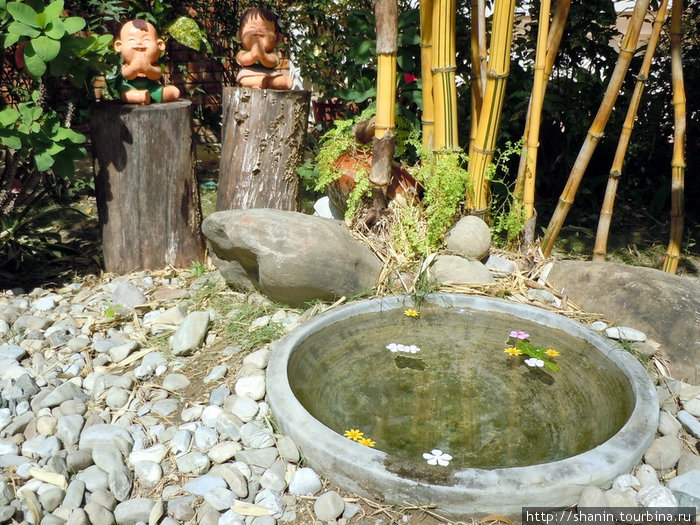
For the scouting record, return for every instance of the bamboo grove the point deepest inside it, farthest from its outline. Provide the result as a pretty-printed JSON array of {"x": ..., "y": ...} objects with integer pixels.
[{"x": 490, "y": 67}]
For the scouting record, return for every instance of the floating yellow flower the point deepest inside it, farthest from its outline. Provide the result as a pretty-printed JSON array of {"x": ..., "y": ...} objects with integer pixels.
[
  {"x": 552, "y": 353},
  {"x": 411, "y": 313},
  {"x": 366, "y": 442},
  {"x": 512, "y": 351},
  {"x": 354, "y": 434}
]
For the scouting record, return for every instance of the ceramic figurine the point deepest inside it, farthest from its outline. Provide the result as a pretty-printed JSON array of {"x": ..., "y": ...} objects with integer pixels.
[
  {"x": 260, "y": 33},
  {"x": 141, "y": 48}
]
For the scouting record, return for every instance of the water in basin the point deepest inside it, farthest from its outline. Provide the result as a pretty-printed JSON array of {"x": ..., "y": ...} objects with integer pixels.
[{"x": 460, "y": 393}]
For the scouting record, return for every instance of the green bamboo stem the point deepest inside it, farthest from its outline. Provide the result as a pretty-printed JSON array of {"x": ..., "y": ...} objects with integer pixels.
[
  {"x": 595, "y": 132},
  {"x": 601, "y": 239},
  {"x": 498, "y": 70},
  {"x": 673, "y": 251}
]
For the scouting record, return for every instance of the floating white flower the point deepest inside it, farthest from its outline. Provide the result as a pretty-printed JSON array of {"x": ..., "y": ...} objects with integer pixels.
[
  {"x": 437, "y": 457},
  {"x": 533, "y": 361},
  {"x": 397, "y": 347}
]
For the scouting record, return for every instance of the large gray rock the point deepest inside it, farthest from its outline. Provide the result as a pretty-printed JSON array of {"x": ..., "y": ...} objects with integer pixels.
[
  {"x": 470, "y": 237},
  {"x": 661, "y": 305},
  {"x": 289, "y": 256},
  {"x": 456, "y": 269}
]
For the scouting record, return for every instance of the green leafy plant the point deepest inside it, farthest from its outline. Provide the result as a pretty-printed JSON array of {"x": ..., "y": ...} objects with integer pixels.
[
  {"x": 198, "y": 269},
  {"x": 37, "y": 144}
]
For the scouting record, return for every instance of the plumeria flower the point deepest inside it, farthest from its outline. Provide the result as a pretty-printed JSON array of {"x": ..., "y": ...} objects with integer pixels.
[
  {"x": 397, "y": 347},
  {"x": 437, "y": 457},
  {"x": 354, "y": 434},
  {"x": 512, "y": 351},
  {"x": 366, "y": 442},
  {"x": 519, "y": 334},
  {"x": 534, "y": 362},
  {"x": 552, "y": 353}
]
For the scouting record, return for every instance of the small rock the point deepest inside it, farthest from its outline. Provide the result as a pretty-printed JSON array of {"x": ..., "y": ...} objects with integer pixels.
[
  {"x": 149, "y": 473},
  {"x": 98, "y": 514},
  {"x": 51, "y": 498},
  {"x": 686, "y": 488},
  {"x": 691, "y": 423},
  {"x": 201, "y": 485},
  {"x": 128, "y": 296},
  {"x": 251, "y": 386},
  {"x": 288, "y": 450},
  {"x": 500, "y": 266},
  {"x": 455, "y": 269},
  {"x": 175, "y": 382},
  {"x": 220, "y": 498},
  {"x": 329, "y": 506},
  {"x": 692, "y": 406},
  {"x": 190, "y": 334},
  {"x": 647, "y": 475},
  {"x": 305, "y": 482},
  {"x": 256, "y": 435},
  {"x": 195, "y": 463},
  {"x": 218, "y": 372},
  {"x": 663, "y": 453},
  {"x": 656, "y": 496},
  {"x": 165, "y": 407},
  {"x": 133, "y": 511},
  {"x": 621, "y": 497},
  {"x": 181, "y": 442},
  {"x": 668, "y": 425},
  {"x": 688, "y": 462},
  {"x": 104, "y": 434},
  {"x": 626, "y": 334},
  {"x": 222, "y": 452},
  {"x": 205, "y": 438}
]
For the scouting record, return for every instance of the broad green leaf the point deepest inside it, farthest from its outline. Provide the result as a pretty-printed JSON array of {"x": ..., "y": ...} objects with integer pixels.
[
  {"x": 55, "y": 29},
  {"x": 11, "y": 141},
  {"x": 60, "y": 66},
  {"x": 8, "y": 117},
  {"x": 34, "y": 64},
  {"x": 54, "y": 10},
  {"x": 46, "y": 48},
  {"x": 186, "y": 31},
  {"x": 35, "y": 127},
  {"x": 10, "y": 38},
  {"x": 41, "y": 20},
  {"x": 22, "y": 13},
  {"x": 21, "y": 29},
  {"x": 73, "y": 24},
  {"x": 43, "y": 161},
  {"x": 36, "y": 112}
]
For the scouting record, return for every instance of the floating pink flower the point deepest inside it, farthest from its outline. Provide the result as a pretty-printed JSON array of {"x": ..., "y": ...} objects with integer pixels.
[{"x": 518, "y": 334}]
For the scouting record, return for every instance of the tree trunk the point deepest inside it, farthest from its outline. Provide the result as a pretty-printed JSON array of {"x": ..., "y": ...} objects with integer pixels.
[
  {"x": 261, "y": 147},
  {"x": 147, "y": 194}
]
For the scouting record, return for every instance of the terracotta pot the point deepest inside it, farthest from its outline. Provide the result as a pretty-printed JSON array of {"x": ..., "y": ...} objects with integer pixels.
[{"x": 402, "y": 187}]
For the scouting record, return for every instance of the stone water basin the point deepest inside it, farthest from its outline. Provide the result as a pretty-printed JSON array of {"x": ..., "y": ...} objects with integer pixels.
[{"x": 516, "y": 435}]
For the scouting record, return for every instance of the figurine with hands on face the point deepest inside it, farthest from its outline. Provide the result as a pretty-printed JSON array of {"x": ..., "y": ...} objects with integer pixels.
[
  {"x": 141, "y": 48},
  {"x": 260, "y": 33}
]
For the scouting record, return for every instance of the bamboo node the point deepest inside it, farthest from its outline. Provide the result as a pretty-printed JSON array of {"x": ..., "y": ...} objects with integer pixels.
[
  {"x": 425, "y": 46},
  {"x": 384, "y": 127},
  {"x": 427, "y": 121},
  {"x": 615, "y": 174},
  {"x": 446, "y": 69},
  {"x": 480, "y": 212},
  {"x": 597, "y": 136},
  {"x": 493, "y": 74},
  {"x": 484, "y": 151}
]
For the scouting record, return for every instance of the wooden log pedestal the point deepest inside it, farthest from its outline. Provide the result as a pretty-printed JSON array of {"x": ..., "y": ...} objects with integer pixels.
[
  {"x": 262, "y": 143},
  {"x": 147, "y": 194}
]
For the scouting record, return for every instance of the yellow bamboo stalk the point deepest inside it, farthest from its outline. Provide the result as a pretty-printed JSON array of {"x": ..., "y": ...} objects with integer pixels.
[
  {"x": 444, "y": 67},
  {"x": 673, "y": 251},
  {"x": 498, "y": 70},
  {"x": 478, "y": 74},
  {"x": 601, "y": 239},
  {"x": 386, "y": 16},
  {"x": 556, "y": 32},
  {"x": 386, "y": 94},
  {"x": 533, "y": 136},
  {"x": 426, "y": 54},
  {"x": 595, "y": 132}
]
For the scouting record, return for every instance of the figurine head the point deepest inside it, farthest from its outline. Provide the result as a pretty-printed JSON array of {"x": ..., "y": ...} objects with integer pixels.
[
  {"x": 262, "y": 24},
  {"x": 139, "y": 38}
]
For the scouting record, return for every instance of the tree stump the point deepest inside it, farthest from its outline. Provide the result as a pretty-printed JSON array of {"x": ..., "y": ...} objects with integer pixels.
[
  {"x": 261, "y": 147},
  {"x": 147, "y": 193}
]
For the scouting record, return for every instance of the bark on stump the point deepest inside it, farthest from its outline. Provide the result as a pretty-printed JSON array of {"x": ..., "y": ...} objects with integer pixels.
[
  {"x": 261, "y": 147},
  {"x": 147, "y": 194}
]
